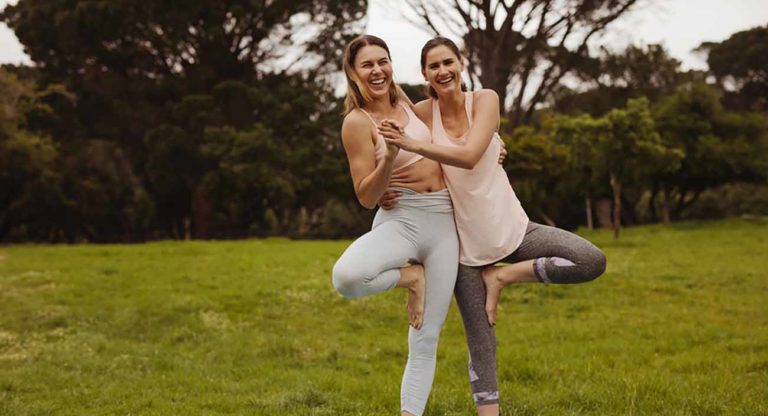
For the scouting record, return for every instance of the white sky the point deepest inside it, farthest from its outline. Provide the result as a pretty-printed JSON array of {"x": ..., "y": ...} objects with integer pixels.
[{"x": 680, "y": 25}]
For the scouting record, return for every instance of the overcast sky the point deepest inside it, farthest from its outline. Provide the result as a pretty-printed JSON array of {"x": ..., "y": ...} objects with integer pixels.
[{"x": 680, "y": 25}]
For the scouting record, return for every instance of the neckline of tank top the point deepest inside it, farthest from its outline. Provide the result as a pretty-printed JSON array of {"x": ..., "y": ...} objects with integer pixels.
[
  {"x": 405, "y": 108},
  {"x": 468, "y": 97}
]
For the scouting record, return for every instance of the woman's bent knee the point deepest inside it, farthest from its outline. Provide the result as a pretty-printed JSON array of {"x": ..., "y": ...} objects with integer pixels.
[
  {"x": 346, "y": 281},
  {"x": 597, "y": 264}
]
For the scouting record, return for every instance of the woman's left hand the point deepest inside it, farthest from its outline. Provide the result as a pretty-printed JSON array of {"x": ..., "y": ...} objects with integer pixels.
[
  {"x": 394, "y": 134},
  {"x": 502, "y": 151}
]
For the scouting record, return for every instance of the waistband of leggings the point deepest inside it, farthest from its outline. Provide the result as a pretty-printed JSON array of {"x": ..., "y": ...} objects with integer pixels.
[{"x": 438, "y": 201}]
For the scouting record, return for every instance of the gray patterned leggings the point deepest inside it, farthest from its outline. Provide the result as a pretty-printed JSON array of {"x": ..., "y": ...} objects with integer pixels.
[{"x": 559, "y": 256}]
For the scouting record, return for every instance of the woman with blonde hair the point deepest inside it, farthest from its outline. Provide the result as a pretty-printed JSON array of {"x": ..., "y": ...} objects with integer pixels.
[{"x": 420, "y": 230}]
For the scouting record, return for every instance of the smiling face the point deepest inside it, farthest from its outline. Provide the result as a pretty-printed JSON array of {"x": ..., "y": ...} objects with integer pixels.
[
  {"x": 443, "y": 70},
  {"x": 374, "y": 70},
  {"x": 368, "y": 70}
]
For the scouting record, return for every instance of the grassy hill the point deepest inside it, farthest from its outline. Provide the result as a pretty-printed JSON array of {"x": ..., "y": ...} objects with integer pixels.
[{"x": 678, "y": 325}]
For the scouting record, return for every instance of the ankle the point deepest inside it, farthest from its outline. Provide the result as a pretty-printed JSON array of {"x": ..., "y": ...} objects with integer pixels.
[
  {"x": 411, "y": 276},
  {"x": 488, "y": 410},
  {"x": 516, "y": 273}
]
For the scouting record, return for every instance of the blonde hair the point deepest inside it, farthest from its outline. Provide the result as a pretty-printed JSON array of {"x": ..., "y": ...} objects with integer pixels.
[{"x": 357, "y": 94}]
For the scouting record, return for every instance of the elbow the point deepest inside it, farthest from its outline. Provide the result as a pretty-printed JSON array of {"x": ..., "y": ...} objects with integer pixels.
[
  {"x": 364, "y": 199},
  {"x": 366, "y": 203}
]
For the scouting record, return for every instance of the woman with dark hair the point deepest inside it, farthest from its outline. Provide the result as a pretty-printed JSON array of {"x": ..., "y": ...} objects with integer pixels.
[
  {"x": 492, "y": 225},
  {"x": 420, "y": 230}
]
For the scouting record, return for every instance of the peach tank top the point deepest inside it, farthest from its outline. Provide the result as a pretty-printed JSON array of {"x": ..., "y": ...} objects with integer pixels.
[
  {"x": 489, "y": 218},
  {"x": 415, "y": 129}
]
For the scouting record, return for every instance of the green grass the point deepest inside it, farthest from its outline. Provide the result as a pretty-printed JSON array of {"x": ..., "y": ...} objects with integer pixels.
[{"x": 677, "y": 326}]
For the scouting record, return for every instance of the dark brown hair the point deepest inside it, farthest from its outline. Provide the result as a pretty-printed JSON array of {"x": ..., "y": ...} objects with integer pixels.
[
  {"x": 432, "y": 44},
  {"x": 357, "y": 95}
]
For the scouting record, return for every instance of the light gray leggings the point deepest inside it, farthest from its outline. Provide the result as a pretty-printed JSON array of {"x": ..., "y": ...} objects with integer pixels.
[
  {"x": 419, "y": 229},
  {"x": 559, "y": 257}
]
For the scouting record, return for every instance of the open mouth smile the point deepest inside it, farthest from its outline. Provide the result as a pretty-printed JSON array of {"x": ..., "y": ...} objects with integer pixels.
[{"x": 378, "y": 82}]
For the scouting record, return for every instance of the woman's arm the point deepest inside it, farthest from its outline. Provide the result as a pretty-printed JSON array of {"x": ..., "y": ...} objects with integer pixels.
[
  {"x": 369, "y": 179},
  {"x": 485, "y": 124}
]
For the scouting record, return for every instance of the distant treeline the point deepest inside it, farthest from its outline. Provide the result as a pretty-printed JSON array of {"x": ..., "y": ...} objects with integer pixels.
[{"x": 160, "y": 120}]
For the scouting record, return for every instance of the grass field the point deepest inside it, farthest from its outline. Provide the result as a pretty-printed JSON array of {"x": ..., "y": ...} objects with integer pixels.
[{"x": 677, "y": 326}]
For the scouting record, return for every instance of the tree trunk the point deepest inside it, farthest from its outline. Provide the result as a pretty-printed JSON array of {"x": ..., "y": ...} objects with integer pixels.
[
  {"x": 202, "y": 215},
  {"x": 684, "y": 203},
  {"x": 303, "y": 220},
  {"x": 521, "y": 43},
  {"x": 628, "y": 210},
  {"x": 588, "y": 207},
  {"x": 175, "y": 229},
  {"x": 603, "y": 213},
  {"x": 652, "y": 204},
  {"x": 616, "y": 188},
  {"x": 666, "y": 207},
  {"x": 187, "y": 228}
]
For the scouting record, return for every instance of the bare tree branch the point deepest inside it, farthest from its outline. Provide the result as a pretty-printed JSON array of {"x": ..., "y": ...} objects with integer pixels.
[{"x": 507, "y": 42}]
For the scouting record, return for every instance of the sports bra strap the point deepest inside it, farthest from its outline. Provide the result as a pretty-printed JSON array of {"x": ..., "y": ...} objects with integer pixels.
[{"x": 369, "y": 117}]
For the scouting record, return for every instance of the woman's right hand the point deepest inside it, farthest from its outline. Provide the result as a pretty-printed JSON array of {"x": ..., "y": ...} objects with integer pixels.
[
  {"x": 391, "y": 151},
  {"x": 389, "y": 199},
  {"x": 394, "y": 134}
]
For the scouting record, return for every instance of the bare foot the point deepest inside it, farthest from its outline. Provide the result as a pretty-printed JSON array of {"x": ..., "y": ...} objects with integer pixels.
[
  {"x": 413, "y": 279},
  {"x": 498, "y": 277},
  {"x": 493, "y": 288}
]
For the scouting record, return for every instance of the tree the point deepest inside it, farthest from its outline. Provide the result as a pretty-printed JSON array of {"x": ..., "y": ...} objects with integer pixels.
[
  {"x": 522, "y": 49},
  {"x": 581, "y": 135},
  {"x": 719, "y": 147},
  {"x": 740, "y": 64},
  {"x": 627, "y": 148},
  {"x": 614, "y": 78},
  {"x": 29, "y": 182},
  {"x": 173, "y": 95},
  {"x": 632, "y": 150},
  {"x": 124, "y": 59},
  {"x": 535, "y": 165}
]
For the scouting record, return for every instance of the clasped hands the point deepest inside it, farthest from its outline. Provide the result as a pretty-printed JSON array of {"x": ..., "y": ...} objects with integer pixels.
[{"x": 394, "y": 135}]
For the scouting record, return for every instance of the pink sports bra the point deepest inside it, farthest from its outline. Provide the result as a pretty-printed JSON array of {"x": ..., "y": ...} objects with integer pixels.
[{"x": 415, "y": 129}]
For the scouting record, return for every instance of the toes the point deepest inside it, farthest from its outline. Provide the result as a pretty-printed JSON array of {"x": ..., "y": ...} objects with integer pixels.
[
  {"x": 491, "y": 313},
  {"x": 417, "y": 318}
]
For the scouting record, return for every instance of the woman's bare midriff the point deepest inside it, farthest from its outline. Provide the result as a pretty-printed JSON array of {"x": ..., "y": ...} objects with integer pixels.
[{"x": 422, "y": 176}]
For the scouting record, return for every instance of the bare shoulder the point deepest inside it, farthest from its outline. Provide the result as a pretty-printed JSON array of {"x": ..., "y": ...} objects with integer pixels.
[
  {"x": 356, "y": 125},
  {"x": 423, "y": 110},
  {"x": 355, "y": 122},
  {"x": 486, "y": 95},
  {"x": 485, "y": 102},
  {"x": 355, "y": 118}
]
